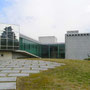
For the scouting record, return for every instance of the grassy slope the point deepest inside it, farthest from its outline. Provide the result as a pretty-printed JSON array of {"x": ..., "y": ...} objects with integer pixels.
[{"x": 75, "y": 75}]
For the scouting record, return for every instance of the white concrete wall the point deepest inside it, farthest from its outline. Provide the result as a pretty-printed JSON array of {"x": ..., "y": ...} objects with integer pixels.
[
  {"x": 6, "y": 55},
  {"x": 48, "y": 39},
  {"x": 18, "y": 55},
  {"x": 12, "y": 55},
  {"x": 77, "y": 47}
]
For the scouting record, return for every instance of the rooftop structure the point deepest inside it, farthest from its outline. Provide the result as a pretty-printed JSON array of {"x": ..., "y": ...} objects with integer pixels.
[
  {"x": 73, "y": 32},
  {"x": 48, "y": 39}
]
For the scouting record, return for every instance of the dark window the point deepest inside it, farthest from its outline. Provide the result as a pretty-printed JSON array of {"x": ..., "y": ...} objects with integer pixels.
[
  {"x": 75, "y": 34},
  {"x": 72, "y": 34},
  {"x": 2, "y": 55},
  {"x": 84, "y": 34},
  {"x": 10, "y": 42},
  {"x": 3, "y": 41},
  {"x": 87, "y": 34},
  {"x": 62, "y": 55},
  {"x": 78, "y": 34}
]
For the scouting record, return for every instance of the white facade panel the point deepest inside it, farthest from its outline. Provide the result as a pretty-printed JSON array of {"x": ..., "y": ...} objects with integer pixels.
[
  {"x": 77, "y": 46},
  {"x": 5, "y": 55},
  {"x": 48, "y": 40}
]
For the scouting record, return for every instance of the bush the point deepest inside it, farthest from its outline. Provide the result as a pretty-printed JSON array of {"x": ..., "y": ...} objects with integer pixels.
[{"x": 87, "y": 59}]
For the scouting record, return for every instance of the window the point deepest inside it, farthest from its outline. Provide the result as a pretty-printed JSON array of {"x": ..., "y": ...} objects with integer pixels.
[
  {"x": 75, "y": 34},
  {"x": 2, "y": 55},
  {"x": 84, "y": 34},
  {"x": 87, "y": 34},
  {"x": 72, "y": 34},
  {"x": 69, "y": 35},
  {"x": 78, "y": 34}
]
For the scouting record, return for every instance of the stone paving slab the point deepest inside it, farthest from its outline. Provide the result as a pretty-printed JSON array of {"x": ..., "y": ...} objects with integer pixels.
[
  {"x": 7, "y": 79},
  {"x": 42, "y": 64},
  {"x": 11, "y": 69},
  {"x": 10, "y": 85},
  {"x": 13, "y": 66},
  {"x": 39, "y": 68},
  {"x": 2, "y": 66},
  {"x": 30, "y": 71},
  {"x": 21, "y": 68},
  {"x": 31, "y": 66},
  {"x": 19, "y": 74},
  {"x": 5, "y": 68},
  {"x": 1, "y": 74}
]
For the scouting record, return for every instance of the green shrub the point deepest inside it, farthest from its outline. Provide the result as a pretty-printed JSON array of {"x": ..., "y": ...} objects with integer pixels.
[{"x": 87, "y": 59}]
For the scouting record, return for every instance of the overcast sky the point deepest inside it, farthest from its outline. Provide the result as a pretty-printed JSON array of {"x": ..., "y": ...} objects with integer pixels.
[{"x": 46, "y": 17}]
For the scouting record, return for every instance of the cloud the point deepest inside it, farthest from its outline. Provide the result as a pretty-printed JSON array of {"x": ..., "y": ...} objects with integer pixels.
[{"x": 48, "y": 17}]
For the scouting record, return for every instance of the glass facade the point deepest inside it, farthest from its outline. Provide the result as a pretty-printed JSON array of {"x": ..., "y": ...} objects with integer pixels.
[
  {"x": 10, "y": 40},
  {"x": 9, "y": 37},
  {"x": 44, "y": 51},
  {"x": 53, "y": 51},
  {"x": 30, "y": 46}
]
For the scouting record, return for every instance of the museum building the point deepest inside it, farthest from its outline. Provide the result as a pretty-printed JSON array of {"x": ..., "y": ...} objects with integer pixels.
[{"x": 15, "y": 45}]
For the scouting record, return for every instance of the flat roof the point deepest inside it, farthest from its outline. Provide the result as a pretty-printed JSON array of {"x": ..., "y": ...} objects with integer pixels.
[
  {"x": 28, "y": 38},
  {"x": 33, "y": 40}
]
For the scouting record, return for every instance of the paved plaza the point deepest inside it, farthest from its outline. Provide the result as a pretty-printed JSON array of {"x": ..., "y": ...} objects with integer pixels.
[{"x": 11, "y": 69}]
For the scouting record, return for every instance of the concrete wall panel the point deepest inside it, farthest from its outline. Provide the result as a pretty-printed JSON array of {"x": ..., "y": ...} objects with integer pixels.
[{"x": 77, "y": 47}]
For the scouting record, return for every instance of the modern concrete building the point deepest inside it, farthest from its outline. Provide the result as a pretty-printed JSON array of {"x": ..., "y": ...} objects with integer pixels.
[
  {"x": 15, "y": 45},
  {"x": 77, "y": 45}
]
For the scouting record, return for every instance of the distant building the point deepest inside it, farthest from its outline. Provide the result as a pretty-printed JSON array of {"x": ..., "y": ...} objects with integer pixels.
[
  {"x": 48, "y": 39},
  {"x": 77, "y": 45}
]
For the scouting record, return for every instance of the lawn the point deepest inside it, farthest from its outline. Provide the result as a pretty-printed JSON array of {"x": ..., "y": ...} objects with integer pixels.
[{"x": 75, "y": 75}]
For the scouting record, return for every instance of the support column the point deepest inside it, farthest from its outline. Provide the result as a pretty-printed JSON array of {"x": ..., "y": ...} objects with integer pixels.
[{"x": 49, "y": 51}]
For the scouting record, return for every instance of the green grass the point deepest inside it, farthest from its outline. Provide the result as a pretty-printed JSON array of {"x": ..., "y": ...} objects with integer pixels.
[{"x": 75, "y": 75}]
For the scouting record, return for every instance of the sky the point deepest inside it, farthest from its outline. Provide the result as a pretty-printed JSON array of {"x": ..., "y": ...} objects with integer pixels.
[{"x": 46, "y": 17}]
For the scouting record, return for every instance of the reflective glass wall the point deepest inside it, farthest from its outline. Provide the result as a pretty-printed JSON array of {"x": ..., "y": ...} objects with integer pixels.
[
  {"x": 9, "y": 37},
  {"x": 44, "y": 51},
  {"x": 53, "y": 51},
  {"x": 30, "y": 46}
]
